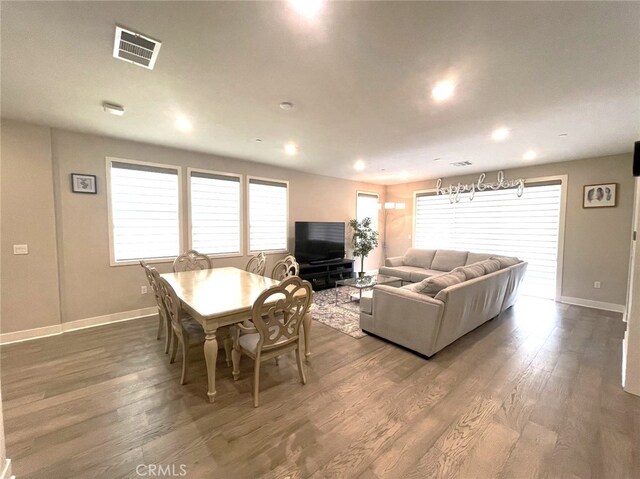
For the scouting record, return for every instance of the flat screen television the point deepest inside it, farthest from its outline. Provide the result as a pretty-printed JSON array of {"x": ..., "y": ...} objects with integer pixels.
[{"x": 319, "y": 242}]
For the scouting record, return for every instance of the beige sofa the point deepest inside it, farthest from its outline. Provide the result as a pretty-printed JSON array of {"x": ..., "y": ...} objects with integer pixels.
[{"x": 424, "y": 316}]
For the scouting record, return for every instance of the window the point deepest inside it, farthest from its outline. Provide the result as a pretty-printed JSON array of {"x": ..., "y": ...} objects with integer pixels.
[
  {"x": 144, "y": 210},
  {"x": 268, "y": 215},
  {"x": 498, "y": 222},
  {"x": 367, "y": 206},
  {"x": 215, "y": 212}
]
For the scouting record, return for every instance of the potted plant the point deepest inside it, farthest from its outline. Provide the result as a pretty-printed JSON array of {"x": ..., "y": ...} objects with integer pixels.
[{"x": 363, "y": 239}]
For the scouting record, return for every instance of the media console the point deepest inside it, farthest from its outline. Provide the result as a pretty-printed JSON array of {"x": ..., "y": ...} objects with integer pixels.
[{"x": 324, "y": 275}]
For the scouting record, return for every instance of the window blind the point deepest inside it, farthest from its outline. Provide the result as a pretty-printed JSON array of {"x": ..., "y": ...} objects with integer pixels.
[
  {"x": 367, "y": 207},
  {"x": 215, "y": 213},
  {"x": 268, "y": 211},
  {"x": 145, "y": 214},
  {"x": 498, "y": 222}
]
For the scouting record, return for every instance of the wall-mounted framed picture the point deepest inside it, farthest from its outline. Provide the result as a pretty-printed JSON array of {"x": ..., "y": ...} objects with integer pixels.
[
  {"x": 83, "y": 183},
  {"x": 600, "y": 196}
]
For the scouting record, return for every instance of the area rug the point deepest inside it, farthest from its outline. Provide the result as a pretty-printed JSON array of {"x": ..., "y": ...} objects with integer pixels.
[{"x": 344, "y": 317}]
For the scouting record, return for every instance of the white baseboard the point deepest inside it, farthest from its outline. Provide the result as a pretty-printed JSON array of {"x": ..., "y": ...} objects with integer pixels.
[
  {"x": 29, "y": 334},
  {"x": 108, "y": 318},
  {"x": 618, "y": 308},
  {"x": 6, "y": 470}
]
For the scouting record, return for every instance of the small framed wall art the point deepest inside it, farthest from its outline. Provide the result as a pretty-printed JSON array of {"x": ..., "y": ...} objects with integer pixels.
[
  {"x": 600, "y": 196},
  {"x": 83, "y": 183}
]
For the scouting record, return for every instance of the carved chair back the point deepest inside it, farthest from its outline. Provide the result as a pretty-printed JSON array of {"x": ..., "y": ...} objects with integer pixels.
[
  {"x": 171, "y": 302},
  {"x": 285, "y": 268},
  {"x": 257, "y": 264},
  {"x": 191, "y": 261},
  {"x": 278, "y": 313}
]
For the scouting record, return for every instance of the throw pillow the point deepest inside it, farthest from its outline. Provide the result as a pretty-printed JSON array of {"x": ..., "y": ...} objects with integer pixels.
[
  {"x": 490, "y": 265},
  {"x": 471, "y": 271},
  {"x": 433, "y": 285},
  {"x": 506, "y": 261}
]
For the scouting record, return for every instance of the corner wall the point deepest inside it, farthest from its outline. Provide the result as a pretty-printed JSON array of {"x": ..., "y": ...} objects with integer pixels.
[{"x": 597, "y": 241}]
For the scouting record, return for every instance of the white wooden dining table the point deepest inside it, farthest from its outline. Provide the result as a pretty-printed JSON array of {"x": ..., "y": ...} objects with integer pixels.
[{"x": 220, "y": 297}]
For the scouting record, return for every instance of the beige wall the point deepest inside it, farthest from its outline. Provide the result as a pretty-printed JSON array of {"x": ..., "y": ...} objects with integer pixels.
[
  {"x": 38, "y": 163},
  {"x": 29, "y": 282},
  {"x": 597, "y": 241}
]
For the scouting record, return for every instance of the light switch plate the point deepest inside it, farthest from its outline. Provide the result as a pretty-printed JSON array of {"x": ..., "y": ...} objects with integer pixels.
[{"x": 20, "y": 249}]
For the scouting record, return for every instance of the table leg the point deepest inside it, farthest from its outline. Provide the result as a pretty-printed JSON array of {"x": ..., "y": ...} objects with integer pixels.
[
  {"x": 210, "y": 356},
  {"x": 306, "y": 324}
]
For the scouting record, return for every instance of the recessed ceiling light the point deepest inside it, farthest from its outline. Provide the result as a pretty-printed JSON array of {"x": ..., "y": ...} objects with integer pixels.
[
  {"x": 500, "y": 134},
  {"x": 286, "y": 105},
  {"x": 112, "y": 108},
  {"x": 530, "y": 155},
  {"x": 443, "y": 90},
  {"x": 437, "y": 159},
  {"x": 291, "y": 149},
  {"x": 183, "y": 123},
  {"x": 258, "y": 140},
  {"x": 307, "y": 8},
  {"x": 563, "y": 134},
  {"x": 359, "y": 165}
]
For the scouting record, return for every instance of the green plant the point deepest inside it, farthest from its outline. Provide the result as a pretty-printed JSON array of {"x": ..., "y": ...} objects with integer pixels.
[{"x": 363, "y": 239}]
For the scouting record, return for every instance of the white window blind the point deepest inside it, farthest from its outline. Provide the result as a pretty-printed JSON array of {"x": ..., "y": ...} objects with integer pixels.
[
  {"x": 215, "y": 213},
  {"x": 145, "y": 213},
  {"x": 498, "y": 222},
  {"x": 268, "y": 211},
  {"x": 367, "y": 207}
]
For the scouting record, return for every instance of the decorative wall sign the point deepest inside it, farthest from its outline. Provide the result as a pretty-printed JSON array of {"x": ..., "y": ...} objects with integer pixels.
[
  {"x": 456, "y": 191},
  {"x": 600, "y": 196},
  {"x": 83, "y": 183}
]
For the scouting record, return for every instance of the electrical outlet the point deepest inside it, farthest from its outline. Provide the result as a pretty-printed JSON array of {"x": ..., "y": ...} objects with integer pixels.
[
  {"x": 143, "y": 289},
  {"x": 20, "y": 249},
  {"x": 596, "y": 284}
]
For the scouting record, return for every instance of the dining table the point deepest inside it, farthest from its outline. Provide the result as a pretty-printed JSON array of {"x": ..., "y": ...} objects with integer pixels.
[{"x": 219, "y": 297}]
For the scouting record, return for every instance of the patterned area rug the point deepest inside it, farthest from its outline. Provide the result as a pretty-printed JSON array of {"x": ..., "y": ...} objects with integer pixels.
[{"x": 345, "y": 317}]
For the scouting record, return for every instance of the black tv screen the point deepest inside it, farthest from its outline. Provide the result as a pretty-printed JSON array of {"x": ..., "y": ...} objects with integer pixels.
[{"x": 319, "y": 241}]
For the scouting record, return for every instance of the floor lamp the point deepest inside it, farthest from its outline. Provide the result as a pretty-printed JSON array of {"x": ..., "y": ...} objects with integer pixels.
[{"x": 386, "y": 207}]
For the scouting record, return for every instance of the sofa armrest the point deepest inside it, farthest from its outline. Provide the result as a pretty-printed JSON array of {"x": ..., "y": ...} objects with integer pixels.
[
  {"x": 395, "y": 261},
  {"x": 404, "y": 317}
]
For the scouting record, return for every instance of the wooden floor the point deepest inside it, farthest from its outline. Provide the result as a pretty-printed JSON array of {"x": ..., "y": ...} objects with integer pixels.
[{"x": 533, "y": 393}]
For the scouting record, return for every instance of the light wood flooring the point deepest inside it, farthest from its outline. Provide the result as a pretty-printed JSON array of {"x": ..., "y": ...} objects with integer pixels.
[{"x": 533, "y": 393}]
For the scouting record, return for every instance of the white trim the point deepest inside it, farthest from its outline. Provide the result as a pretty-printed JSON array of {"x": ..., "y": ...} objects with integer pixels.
[
  {"x": 37, "y": 333},
  {"x": 108, "y": 161},
  {"x": 6, "y": 470},
  {"x": 109, "y": 318},
  {"x": 190, "y": 231},
  {"x": 28, "y": 334},
  {"x": 588, "y": 303},
  {"x": 248, "y": 233}
]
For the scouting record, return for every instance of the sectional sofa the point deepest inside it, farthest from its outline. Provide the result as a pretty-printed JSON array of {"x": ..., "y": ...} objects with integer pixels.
[{"x": 449, "y": 293}]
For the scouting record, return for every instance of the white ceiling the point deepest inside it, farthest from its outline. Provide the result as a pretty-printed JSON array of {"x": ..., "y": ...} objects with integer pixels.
[{"x": 360, "y": 77}]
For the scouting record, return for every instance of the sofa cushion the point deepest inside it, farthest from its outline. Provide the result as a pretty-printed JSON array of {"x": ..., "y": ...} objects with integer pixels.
[
  {"x": 506, "y": 261},
  {"x": 477, "y": 257},
  {"x": 413, "y": 287},
  {"x": 417, "y": 276},
  {"x": 403, "y": 272},
  {"x": 421, "y": 258},
  {"x": 447, "y": 260},
  {"x": 435, "y": 284},
  {"x": 471, "y": 271},
  {"x": 490, "y": 265}
]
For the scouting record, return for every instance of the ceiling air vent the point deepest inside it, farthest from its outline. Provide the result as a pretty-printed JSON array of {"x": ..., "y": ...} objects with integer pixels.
[
  {"x": 462, "y": 163},
  {"x": 135, "y": 48}
]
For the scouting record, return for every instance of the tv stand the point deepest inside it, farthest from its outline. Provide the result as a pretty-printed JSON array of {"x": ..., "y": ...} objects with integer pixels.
[{"x": 324, "y": 275}]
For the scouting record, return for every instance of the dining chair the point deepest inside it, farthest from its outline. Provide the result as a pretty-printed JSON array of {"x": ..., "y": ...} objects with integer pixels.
[
  {"x": 163, "y": 323},
  {"x": 285, "y": 268},
  {"x": 277, "y": 315},
  {"x": 186, "y": 330},
  {"x": 257, "y": 264},
  {"x": 191, "y": 261}
]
